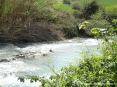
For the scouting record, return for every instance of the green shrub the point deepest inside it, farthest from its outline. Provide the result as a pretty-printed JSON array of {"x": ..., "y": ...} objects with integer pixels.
[
  {"x": 67, "y": 24},
  {"x": 89, "y": 10},
  {"x": 99, "y": 24},
  {"x": 86, "y": 26},
  {"x": 86, "y": 7}
]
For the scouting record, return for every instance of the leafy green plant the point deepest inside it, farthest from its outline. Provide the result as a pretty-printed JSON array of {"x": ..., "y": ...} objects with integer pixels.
[
  {"x": 83, "y": 25},
  {"x": 104, "y": 33}
]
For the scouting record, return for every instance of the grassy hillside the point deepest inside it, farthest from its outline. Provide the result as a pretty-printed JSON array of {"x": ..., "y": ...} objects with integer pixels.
[
  {"x": 110, "y": 6},
  {"x": 107, "y": 3}
]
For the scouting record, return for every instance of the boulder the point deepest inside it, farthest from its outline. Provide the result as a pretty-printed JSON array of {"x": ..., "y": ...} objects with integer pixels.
[{"x": 4, "y": 60}]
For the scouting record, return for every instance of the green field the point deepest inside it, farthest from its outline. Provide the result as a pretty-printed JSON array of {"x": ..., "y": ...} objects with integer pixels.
[
  {"x": 110, "y": 6},
  {"x": 106, "y": 3}
]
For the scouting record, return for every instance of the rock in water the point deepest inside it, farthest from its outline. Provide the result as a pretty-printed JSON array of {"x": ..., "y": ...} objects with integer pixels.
[
  {"x": 50, "y": 50},
  {"x": 44, "y": 54},
  {"x": 20, "y": 56},
  {"x": 4, "y": 60}
]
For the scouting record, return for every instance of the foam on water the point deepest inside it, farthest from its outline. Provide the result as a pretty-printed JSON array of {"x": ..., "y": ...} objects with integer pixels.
[
  {"x": 91, "y": 42},
  {"x": 12, "y": 81}
]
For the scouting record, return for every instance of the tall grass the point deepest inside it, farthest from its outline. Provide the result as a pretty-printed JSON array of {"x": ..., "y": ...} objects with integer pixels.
[{"x": 21, "y": 12}]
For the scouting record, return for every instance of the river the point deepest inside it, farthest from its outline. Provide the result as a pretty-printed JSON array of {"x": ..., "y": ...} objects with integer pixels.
[{"x": 38, "y": 59}]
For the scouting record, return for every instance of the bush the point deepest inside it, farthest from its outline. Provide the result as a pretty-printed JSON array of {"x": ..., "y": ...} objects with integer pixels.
[
  {"x": 89, "y": 10},
  {"x": 86, "y": 26},
  {"x": 99, "y": 24},
  {"x": 67, "y": 24}
]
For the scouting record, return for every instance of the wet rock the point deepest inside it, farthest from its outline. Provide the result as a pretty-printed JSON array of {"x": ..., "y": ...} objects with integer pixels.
[
  {"x": 44, "y": 54},
  {"x": 13, "y": 59},
  {"x": 4, "y": 60},
  {"x": 21, "y": 79},
  {"x": 50, "y": 50},
  {"x": 20, "y": 56}
]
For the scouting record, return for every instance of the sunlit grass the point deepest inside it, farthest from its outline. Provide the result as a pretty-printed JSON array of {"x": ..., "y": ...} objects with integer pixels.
[
  {"x": 111, "y": 10},
  {"x": 63, "y": 7},
  {"x": 106, "y": 3},
  {"x": 110, "y": 6}
]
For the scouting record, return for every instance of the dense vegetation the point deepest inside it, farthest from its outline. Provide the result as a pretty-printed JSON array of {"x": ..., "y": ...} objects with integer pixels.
[{"x": 38, "y": 20}]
